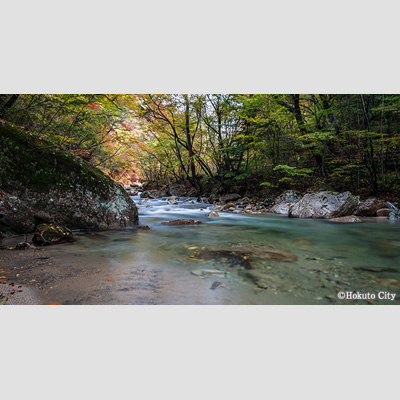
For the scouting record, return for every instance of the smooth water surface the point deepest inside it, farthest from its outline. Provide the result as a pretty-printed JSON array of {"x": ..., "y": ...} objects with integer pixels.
[{"x": 155, "y": 266}]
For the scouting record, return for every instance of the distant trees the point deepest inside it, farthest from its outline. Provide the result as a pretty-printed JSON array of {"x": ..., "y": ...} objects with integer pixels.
[
  {"x": 292, "y": 140},
  {"x": 247, "y": 141}
]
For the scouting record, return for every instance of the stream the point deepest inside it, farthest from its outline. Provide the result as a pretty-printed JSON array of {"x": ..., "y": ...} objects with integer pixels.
[
  {"x": 235, "y": 258},
  {"x": 133, "y": 266}
]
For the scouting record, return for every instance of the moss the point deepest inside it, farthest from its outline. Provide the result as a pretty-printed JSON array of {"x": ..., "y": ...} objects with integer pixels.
[{"x": 28, "y": 162}]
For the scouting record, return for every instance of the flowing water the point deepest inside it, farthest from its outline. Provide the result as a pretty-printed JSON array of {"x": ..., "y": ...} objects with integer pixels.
[{"x": 134, "y": 266}]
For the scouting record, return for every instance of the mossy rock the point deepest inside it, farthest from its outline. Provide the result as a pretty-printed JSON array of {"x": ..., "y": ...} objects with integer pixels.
[
  {"x": 47, "y": 234},
  {"x": 61, "y": 189}
]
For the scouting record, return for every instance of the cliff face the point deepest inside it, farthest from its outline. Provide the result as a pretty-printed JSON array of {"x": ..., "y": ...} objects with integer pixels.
[{"x": 58, "y": 187}]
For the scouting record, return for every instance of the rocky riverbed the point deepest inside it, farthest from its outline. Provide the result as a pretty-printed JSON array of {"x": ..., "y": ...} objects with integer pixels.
[{"x": 232, "y": 258}]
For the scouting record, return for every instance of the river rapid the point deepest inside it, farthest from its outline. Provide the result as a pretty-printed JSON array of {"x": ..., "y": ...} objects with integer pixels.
[{"x": 170, "y": 264}]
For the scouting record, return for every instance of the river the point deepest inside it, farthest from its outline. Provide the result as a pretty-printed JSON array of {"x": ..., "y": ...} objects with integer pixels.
[{"x": 133, "y": 266}]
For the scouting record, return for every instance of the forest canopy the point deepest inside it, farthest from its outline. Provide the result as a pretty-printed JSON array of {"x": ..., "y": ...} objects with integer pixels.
[{"x": 245, "y": 142}]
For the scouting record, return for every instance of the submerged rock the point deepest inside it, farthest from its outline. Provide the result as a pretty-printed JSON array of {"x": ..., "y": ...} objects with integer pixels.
[
  {"x": 49, "y": 234},
  {"x": 347, "y": 219},
  {"x": 213, "y": 214},
  {"x": 15, "y": 216},
  {"x": 324, "y": 205},
  {"x": 144, "y": 227},
  {"x": 244, "y": 256},
  {"x": 216, "y": 285},
  {"x": 182, "y": 222},
  {"x": 23, "y": 246},
  {"x": 369, "y": 207},
  {"x": 61, "y": 189},
  {"x": 205, "y": 272}
]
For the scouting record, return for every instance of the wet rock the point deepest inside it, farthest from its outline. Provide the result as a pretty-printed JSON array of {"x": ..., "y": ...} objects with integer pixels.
[
  {"x": 23, "y": 246},
  {"x": 47, "y": 234},
  {"x": 206, "y": 272},
  {"x": 172, "y": 200},
  {"x": 228, "y": 207},
  {"x": 147, "y": 195},
  {"x": 369, "y": 207},
  {"x": 213, "y": 214},
  {"x": 182, "y": 222},
  {"x": 244, "y": 201},
  {"x": 216, "y": 285},
  {"x": 144, "y": 227},
  {"x": 213, "y": 198},
  {"x": 268, "y": 202},
  {"x": 229, "y": 198},
  {"x": 384, "y": 212},
  {"x": 394, "y": 215},
  {"x": 15, "y": 216},
  {"x": 283, "y": 202},
  {"x": 324, "y": 205},
  {"x": 347, "y": 219}
]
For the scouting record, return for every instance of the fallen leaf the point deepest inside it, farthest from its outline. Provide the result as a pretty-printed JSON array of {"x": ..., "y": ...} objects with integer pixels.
[
  {"x": 110, "y": 279},
  {"x": 5, "y": 271},
  {"x": 54, "y": 303}
]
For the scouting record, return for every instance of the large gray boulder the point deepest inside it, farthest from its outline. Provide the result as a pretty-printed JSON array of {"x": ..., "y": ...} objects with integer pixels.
[
  {"x": 60, "y": 188},
  {"x": 283, "y": 202},
  {"x": 324, "y": 205},
  {"x": 15, "y": 216},
  {"x": 369, "y": 207}
]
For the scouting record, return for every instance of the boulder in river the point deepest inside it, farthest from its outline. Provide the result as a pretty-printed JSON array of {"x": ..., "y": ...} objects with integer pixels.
[
  {"x": 384, "y": 212},
  {"x": 347, "y": 219},
  {"x": 47, "y": 234},
  {"x": 59, "y": 187},
  {"x": 182, "y": 222},
  {"x": 15, "y": 216},
  {"x": 172, "y": 200},
  {"x": 144, "y": 227},
  {"x": 283, "y": 202},
  {"x": 324, "y": 205},
  {"x": 213, "y": 214},
  {"x": 369, "y": 207}
]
